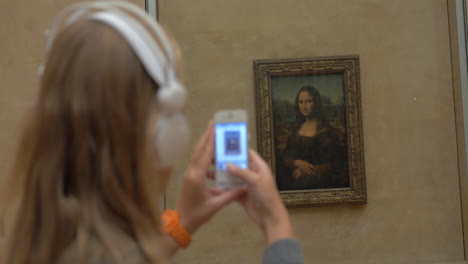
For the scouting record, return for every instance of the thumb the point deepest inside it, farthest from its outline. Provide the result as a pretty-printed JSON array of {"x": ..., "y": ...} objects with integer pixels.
[{"x": 247, "y": 175}]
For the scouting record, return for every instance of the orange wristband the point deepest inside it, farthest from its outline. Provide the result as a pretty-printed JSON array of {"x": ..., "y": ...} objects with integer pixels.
[{"x": 172, "y": 227}]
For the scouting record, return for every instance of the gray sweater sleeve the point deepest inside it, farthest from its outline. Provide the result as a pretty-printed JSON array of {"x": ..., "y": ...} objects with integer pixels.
[{"x": 284, "y": 251}]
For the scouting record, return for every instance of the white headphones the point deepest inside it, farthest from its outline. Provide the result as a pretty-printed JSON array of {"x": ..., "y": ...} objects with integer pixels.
[{"x": 172, "y": 132}]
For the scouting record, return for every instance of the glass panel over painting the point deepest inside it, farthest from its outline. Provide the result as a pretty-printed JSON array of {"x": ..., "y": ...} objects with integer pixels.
[{"x": 310, "y": 131}]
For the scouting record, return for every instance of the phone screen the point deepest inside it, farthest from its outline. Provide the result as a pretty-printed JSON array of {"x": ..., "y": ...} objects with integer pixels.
[{"x": 231, "y": 145}]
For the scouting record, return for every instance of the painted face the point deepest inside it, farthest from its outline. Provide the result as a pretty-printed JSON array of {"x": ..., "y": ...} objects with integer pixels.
[{"x": 306, "y": 103}]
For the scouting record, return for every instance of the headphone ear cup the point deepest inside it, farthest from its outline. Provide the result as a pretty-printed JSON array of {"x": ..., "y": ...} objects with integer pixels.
[
  {"x": 172, "y": 131},
  {"x": 40, "y": 70},
  {"x": 172, "y": 97},
  {"x": 171, "y": 139}
]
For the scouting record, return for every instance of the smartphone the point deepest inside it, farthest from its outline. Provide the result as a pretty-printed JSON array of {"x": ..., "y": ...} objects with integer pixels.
[{"x": 231, "y": 145}]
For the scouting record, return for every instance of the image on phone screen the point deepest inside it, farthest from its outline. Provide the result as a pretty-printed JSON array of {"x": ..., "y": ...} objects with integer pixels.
[{"x": 231, "y": 145}]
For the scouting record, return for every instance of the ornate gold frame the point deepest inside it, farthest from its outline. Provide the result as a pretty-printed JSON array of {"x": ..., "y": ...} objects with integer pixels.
[{"x": 347, "y": 65}]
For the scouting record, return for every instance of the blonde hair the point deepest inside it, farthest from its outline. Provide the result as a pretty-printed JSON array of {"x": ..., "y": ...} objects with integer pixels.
[{"x": 83, "y": 165}]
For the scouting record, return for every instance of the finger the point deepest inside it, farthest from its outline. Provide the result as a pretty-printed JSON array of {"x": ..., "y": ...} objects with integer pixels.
[
  {"x": 215, "y": 191},
  {"x": 257, "y": 163},
  {"x": 201, "y": 142},
  {"x": 247, "y": 175},
  {"x": 207, "y": 150},
  {"x": 210, "y": 175},
  {"x": 226, "y": 197},
  {"x": 243, "y": 197}
]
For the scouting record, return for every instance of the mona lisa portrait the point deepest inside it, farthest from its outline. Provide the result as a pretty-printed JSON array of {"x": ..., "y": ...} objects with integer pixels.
[
  {"x": 314, "y": 155},
  {"x": 309, "y": 128}
]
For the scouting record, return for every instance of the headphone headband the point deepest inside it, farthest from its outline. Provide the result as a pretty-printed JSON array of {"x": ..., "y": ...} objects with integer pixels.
[
  {"x": 157, "y": 57},
  {"x": 147, "y": 49},
  {"x": 141, "y": 42}
]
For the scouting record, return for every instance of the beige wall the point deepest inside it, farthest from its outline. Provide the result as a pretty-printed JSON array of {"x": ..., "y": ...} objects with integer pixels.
[{"x": 413, "y": 214}]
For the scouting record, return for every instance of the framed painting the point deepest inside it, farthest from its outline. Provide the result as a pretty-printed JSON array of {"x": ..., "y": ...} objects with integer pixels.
[{"x": 309, "y": 128}]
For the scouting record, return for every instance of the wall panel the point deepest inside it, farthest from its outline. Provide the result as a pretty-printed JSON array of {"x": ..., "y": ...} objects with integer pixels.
[{"x": 413, "y": 214}]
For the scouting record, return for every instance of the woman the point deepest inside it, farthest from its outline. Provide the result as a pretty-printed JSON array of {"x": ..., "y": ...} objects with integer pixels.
[
  {"x": 100, "y": 146},
  {"x": 315, "y": 154}
]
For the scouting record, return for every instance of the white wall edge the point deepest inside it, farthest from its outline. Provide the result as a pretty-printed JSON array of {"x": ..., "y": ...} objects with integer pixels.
[
  {"x": 461, "y": 32},
  {"x": 456, "y": 262},
  {"x": 152, "y": 8}
]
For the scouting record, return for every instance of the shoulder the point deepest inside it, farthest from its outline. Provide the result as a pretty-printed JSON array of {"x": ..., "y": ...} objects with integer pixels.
[{"x": 97, "y": 252}]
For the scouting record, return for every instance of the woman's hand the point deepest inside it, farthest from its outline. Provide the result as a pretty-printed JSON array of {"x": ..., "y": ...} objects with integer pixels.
[
  {"x": 305, "y": 168},
  {"x": 198, "y": 203},
  {"x": 262, "y": 201}
]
